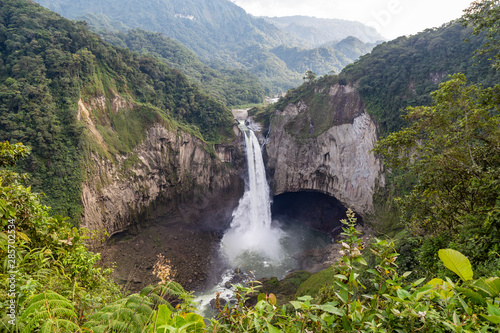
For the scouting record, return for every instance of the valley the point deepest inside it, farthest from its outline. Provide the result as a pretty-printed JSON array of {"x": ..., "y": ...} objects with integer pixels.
[{"x": 320, "y": 178}]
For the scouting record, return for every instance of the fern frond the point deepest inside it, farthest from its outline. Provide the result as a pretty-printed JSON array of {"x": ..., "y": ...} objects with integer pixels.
[
  {"x": 147, "y": 290},
  {"x": 127, "y": 315},
  {"x": 63, "y": 312},
  {"x": 52, "y": 311},
  {"x": 46, "y": 295},
  {"x": 60, "y": 326},
  {"x": 131, "y": 313},
  {"x": 40, "y": 300},
  {"x": 118, "y": 326}
]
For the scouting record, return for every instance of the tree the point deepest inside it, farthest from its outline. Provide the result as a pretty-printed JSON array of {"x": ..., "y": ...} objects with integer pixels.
[
  {"x": 309, "y": 76},
  {"x": 452, "y": 149},
  {"x": 484, "y": 15}
]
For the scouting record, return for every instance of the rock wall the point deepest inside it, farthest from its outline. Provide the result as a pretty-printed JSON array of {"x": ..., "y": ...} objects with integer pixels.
[
  {"x": 337, "y": 162},
  {"x": 173, "y": 171}
]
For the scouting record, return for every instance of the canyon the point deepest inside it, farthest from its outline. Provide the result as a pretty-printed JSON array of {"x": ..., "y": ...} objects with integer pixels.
[{"x": 178, "y": 195}]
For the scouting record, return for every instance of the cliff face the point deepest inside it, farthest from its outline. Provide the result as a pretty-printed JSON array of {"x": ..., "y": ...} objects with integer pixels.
[
  {"x": 170, "y": 172},
  {"x": 337, "y": 161}
]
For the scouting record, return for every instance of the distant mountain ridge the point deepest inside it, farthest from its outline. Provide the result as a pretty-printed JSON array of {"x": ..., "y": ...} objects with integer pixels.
[
  {"x": 218, "y": 31},
  {"x": 318, "y": 31}
]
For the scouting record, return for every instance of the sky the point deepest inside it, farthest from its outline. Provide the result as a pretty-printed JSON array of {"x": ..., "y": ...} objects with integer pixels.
[{"x": 391, "y": 18}]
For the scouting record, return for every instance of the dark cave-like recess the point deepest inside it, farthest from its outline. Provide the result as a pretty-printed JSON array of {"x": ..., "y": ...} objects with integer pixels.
[{"x": 316, "y": 210}]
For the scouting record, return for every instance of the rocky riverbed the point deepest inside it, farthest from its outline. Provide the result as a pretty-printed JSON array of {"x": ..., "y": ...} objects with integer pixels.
[{"x": 192, "y": 253}]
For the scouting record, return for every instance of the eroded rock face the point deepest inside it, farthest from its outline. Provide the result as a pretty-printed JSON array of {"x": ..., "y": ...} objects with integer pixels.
[
  {"x": 337, "y": 162},
  {"x": 170, "y": 170}
]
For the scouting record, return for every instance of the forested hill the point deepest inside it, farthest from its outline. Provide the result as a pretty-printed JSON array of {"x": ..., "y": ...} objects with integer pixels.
[
  {"x": 403, "y": 72},
  {"x": 48, "y": 64},
  {"x": 218, "y": 31},
  {"x": 210, "y": 28},
  {"x": 230, "y": 86}
]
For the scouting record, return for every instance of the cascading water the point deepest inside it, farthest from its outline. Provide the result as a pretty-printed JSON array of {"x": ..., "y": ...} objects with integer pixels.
[
  {"x": 252, "y": 235},
  {"x": 254, "y": 242}
]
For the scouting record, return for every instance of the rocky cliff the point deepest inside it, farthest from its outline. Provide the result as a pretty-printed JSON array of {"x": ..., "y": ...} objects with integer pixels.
[
  {"x": 170, "y": 172},
  {"x": 323, "y": 143}
]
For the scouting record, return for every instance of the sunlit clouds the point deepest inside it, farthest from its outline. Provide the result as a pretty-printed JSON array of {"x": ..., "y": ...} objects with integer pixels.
[{"x": 391, "y": 18}]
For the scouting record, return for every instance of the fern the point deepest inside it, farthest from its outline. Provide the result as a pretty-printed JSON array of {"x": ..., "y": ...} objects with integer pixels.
[
  {"x": 129, "y": 314},
  {"x": 51, "y": 312}
]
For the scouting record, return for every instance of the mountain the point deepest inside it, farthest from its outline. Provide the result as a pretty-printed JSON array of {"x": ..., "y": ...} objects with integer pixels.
[
  {"x": 212, "y": 29},
  {"x": 230, "y": 86},
  {"x": 352, "y": 47},
  {"x": 86, "y": 108},
  {"x": 219, "y": 32},
  {"x": 317, "y": 31},
  {"x": 403, "y": 72}
]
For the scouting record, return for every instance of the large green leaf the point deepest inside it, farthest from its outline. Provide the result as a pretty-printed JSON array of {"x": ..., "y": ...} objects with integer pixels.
[
  {"x": 456, "y": 262},
  {"x": 490, "y": 286}
]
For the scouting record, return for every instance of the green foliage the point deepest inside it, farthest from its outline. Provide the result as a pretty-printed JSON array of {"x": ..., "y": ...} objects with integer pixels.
[
  {"x": 49, "y": 312},
  {"x": 164, "y": 322},
  {"x": 49, "y": 65},
  {"x": 403, "y": 72},
  {"x": 44, "y": 252},
  {"x": 9, "y": 154},
  {"x": 229, "y": 86},
  {"x": 456, "y": 262},
  {"x": 127, "y": 314},
  {"x": 393, "y": 305},
  {"x": 483, "y": 15},
  {"x": 451, "y": 150}
]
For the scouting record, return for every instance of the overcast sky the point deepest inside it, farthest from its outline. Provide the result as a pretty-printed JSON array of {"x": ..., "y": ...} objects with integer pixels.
[{"x": 392, "y": 18}]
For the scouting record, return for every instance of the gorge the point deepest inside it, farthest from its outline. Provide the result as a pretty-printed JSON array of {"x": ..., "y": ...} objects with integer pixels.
[
  {"x": 306, "y": 186},
  {"x": 127, "y": 183}
]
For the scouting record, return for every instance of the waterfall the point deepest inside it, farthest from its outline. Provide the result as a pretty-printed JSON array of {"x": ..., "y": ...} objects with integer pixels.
[
  {"x": 254, "y": 242},
  {"x": 251, "y": 233}
]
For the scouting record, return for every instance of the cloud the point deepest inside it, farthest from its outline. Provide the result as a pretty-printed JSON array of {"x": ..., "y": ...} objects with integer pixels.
[{"x": 392, "y": 18}]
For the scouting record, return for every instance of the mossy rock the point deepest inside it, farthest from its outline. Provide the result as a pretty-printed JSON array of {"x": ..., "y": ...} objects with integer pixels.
[
  {"x": 316, "y": 282},
  {"x": 283, "y": 289}
]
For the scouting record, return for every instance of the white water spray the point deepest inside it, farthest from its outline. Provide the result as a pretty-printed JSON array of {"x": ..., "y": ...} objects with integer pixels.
[
  {"x": 253, "y": 243},
  {"x": 251, "y": 233}
]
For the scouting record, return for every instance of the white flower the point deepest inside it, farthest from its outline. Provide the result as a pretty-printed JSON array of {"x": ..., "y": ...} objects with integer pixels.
[{"x": 355, "y": 253}]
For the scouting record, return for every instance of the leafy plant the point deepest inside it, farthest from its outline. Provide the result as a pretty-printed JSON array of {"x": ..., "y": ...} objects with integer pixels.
[
  {"x": 49, "y": 312},
  {"x": 131, "y": 313},
  {"x": 456, "y": 262},
  {"x": 165, "y": 321}
]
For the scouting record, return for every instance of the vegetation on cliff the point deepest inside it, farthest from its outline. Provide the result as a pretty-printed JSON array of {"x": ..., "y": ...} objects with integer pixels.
[
  {"x": 404, "y": 72},
  {"x": 48, "y": 64}
]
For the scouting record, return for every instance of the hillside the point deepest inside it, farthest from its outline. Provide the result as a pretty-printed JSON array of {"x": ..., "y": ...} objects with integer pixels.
[
  {"x": 218, "y": 31},
  {"x": 316, "y": 31},
  {"x": 458, "y": 120},
  {"x": 403, "y": 72},
  {"x": 68, "y": 94},
  {"x": 229, "y": 86}
]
